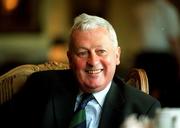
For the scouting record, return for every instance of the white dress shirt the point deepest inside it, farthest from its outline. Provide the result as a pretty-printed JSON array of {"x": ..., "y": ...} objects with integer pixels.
[{"x": 94, "y": 107}]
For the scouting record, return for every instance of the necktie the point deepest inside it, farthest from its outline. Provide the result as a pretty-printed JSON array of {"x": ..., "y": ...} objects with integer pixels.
[{"x": 79, "y": 118}]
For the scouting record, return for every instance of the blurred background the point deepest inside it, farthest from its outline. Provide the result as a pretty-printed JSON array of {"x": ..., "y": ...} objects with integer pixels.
[{"x": 35, "y": 31}]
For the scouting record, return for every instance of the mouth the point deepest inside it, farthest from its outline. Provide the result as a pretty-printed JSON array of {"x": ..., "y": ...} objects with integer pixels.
[{"x": 96, "y": 71}]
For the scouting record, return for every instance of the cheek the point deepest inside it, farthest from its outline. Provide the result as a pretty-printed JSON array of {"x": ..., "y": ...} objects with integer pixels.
[
  {"x": 111, "y": 60},
  {"x": 78, "y": 64},
  {"x": 110, "y": 63}
]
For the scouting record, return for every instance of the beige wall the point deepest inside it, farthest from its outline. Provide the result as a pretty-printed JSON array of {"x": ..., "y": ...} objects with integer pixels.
[
  {"x": 32, "y": 47},
  {"x": 122, "y": 16}
]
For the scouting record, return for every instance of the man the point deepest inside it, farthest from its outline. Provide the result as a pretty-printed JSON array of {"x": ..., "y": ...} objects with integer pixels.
[{"x": 51, "y": 97}]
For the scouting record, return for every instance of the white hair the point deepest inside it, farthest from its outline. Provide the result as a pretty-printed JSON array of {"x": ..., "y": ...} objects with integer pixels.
[{"x": 86, "y": 22}]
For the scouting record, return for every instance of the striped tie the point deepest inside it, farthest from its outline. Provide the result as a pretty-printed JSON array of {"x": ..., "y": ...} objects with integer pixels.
[{"x": 79, "y": 118}]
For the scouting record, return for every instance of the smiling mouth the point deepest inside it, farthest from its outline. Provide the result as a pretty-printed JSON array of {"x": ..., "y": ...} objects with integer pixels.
[{"x": 94, "y": 71}]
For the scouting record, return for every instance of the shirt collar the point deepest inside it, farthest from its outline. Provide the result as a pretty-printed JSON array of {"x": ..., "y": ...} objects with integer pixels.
[{"x": 100, "y": 96}]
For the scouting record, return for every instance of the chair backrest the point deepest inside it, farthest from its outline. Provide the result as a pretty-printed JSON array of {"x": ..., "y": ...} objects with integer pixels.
[
  {"x": 12, "y": 81},
  {"x": 137, "y": 77}
]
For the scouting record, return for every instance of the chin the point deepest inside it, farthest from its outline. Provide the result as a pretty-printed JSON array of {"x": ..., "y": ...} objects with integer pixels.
[
  {"x": 90, "y": 88},
  {"x": 95, "y": 88}
]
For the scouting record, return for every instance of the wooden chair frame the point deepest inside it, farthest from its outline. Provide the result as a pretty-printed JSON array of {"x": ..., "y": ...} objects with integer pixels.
[{"x": 12, "y": 81}]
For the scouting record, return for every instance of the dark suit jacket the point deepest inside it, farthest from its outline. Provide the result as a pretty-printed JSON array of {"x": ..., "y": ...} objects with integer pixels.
[{"x": 48, "y": 100}]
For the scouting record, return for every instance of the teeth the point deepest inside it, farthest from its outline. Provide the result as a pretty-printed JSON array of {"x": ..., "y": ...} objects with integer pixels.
[{"x": 94, "y": 71}]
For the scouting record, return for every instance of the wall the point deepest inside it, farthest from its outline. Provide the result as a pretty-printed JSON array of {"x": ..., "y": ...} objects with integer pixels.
[
  {"x": 121, "y": 14},
  {"x": 32, "y": 47}
]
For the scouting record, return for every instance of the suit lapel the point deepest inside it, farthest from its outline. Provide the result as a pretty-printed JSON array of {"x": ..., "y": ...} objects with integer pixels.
[
  {"x": 111, "y": 112},
  {"x": 64, "y": 108},
  {"x": 64, "y": 101}
]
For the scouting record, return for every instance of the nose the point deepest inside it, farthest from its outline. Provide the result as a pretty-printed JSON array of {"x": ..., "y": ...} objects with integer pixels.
[{"x": 93, "y": 59}]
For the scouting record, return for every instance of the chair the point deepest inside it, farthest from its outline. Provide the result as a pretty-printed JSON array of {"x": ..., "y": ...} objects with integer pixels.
[
  {"x": 12, "y": 81},
  {"x": 138, "y": 78}
]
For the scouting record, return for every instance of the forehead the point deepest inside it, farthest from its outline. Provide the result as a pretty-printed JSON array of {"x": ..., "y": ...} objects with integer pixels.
[{"x": 97, "y": 36}]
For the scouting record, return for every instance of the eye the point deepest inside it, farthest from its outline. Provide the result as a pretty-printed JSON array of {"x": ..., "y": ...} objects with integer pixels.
[
  {"x": 101, "y": 52},
  {"x": 83, "y": 54}
]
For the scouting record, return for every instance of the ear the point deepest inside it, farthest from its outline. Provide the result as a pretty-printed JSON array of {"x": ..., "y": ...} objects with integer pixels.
[
  {"x": 69, "y": 58},
  {"x": 118, "y": 55}
]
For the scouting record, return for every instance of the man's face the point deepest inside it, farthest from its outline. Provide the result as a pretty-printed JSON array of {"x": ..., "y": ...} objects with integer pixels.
[{"x": 93, "y": 58}]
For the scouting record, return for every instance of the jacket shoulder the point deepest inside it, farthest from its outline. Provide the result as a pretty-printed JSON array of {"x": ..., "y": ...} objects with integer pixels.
[{"x": 137, "y": 101}]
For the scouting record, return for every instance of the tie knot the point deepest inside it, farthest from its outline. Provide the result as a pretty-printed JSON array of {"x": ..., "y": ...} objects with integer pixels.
[{"x": 85, "y": 98}]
